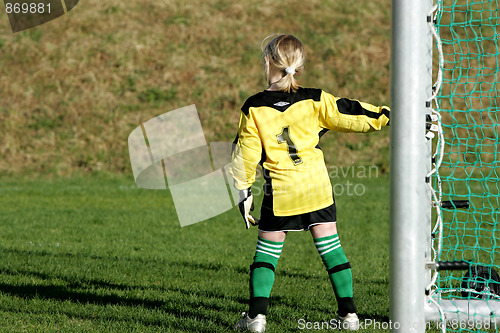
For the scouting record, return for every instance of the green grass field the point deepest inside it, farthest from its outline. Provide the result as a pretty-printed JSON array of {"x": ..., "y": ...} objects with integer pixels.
[{"x": 95, "y": 253}]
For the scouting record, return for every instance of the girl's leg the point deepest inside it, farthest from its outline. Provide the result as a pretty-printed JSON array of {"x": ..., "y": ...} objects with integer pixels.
[
  {"x": 327, "y": 242},
  {"x": 275, "y": 236},
  {"x": 267, "y": 253}
]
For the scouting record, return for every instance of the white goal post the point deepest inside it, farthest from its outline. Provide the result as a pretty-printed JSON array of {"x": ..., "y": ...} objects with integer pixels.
[{"x": 411, "y": 88}]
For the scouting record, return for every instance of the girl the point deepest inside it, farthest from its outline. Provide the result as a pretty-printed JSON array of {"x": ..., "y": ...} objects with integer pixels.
[{"x": 280, "y": 128}]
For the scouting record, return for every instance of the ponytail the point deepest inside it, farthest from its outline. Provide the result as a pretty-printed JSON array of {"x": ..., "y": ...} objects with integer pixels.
[{"x": 285, "y": 53}]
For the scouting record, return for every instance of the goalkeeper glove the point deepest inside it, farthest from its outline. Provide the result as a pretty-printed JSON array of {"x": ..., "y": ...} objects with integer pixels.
[{"x": 246, "y": 205}]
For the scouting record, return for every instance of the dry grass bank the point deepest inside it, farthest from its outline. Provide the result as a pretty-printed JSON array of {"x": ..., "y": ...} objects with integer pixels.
[{"x": 73, "y": 89}]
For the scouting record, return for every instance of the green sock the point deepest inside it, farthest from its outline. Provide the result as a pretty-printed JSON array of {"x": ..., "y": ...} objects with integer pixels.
[
  {"x": 262, "y": 269},
  {"x": 339, "y": 271}
]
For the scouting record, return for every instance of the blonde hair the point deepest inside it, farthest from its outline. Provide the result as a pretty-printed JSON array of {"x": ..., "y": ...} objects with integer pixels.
[{"x": 285, "y": 53}]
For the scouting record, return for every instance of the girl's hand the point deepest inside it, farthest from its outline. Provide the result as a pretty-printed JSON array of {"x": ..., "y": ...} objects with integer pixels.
[{"x": 246, "y": 205}]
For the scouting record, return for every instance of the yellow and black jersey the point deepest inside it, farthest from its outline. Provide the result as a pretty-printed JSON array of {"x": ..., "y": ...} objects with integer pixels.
[{"x": 282, "y": 131}]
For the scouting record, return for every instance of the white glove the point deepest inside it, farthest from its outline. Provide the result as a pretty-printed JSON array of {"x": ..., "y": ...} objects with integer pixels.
[{"x": 246, "y": 205}]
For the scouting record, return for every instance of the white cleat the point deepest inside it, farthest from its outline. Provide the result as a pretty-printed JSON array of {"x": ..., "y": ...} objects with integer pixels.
[
  {"x": 258, "y": 324},
  {"x": 350, "y": 322}
]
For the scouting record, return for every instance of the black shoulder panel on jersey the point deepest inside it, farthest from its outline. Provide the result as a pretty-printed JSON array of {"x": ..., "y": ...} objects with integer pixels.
[
  {"x": 354, "y": 108},
  {"x": 309, "y": 93},
  {"x": 280, "y": 100},
  {"x": 254, "y": 100}
]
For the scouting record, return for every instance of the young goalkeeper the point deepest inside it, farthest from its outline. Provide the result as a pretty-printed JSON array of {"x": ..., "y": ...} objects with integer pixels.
[{"x": 280, "y": 128}]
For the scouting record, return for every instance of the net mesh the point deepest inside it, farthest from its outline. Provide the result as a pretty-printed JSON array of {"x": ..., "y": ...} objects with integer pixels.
[{"x": 468, "y": 103}]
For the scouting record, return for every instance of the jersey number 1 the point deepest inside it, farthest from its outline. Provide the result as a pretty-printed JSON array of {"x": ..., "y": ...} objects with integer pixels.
[{"x": 284, "y": 137}]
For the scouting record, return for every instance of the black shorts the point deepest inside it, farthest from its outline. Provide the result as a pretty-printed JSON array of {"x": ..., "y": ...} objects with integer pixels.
[{"x": 271, "y": 222}]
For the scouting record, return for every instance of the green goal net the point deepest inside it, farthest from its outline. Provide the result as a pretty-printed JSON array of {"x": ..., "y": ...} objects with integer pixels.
[{"x": 466, "y": 236}]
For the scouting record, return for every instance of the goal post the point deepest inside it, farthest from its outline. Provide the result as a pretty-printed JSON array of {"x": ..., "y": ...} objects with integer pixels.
[{"x": 411, "y": 88}]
